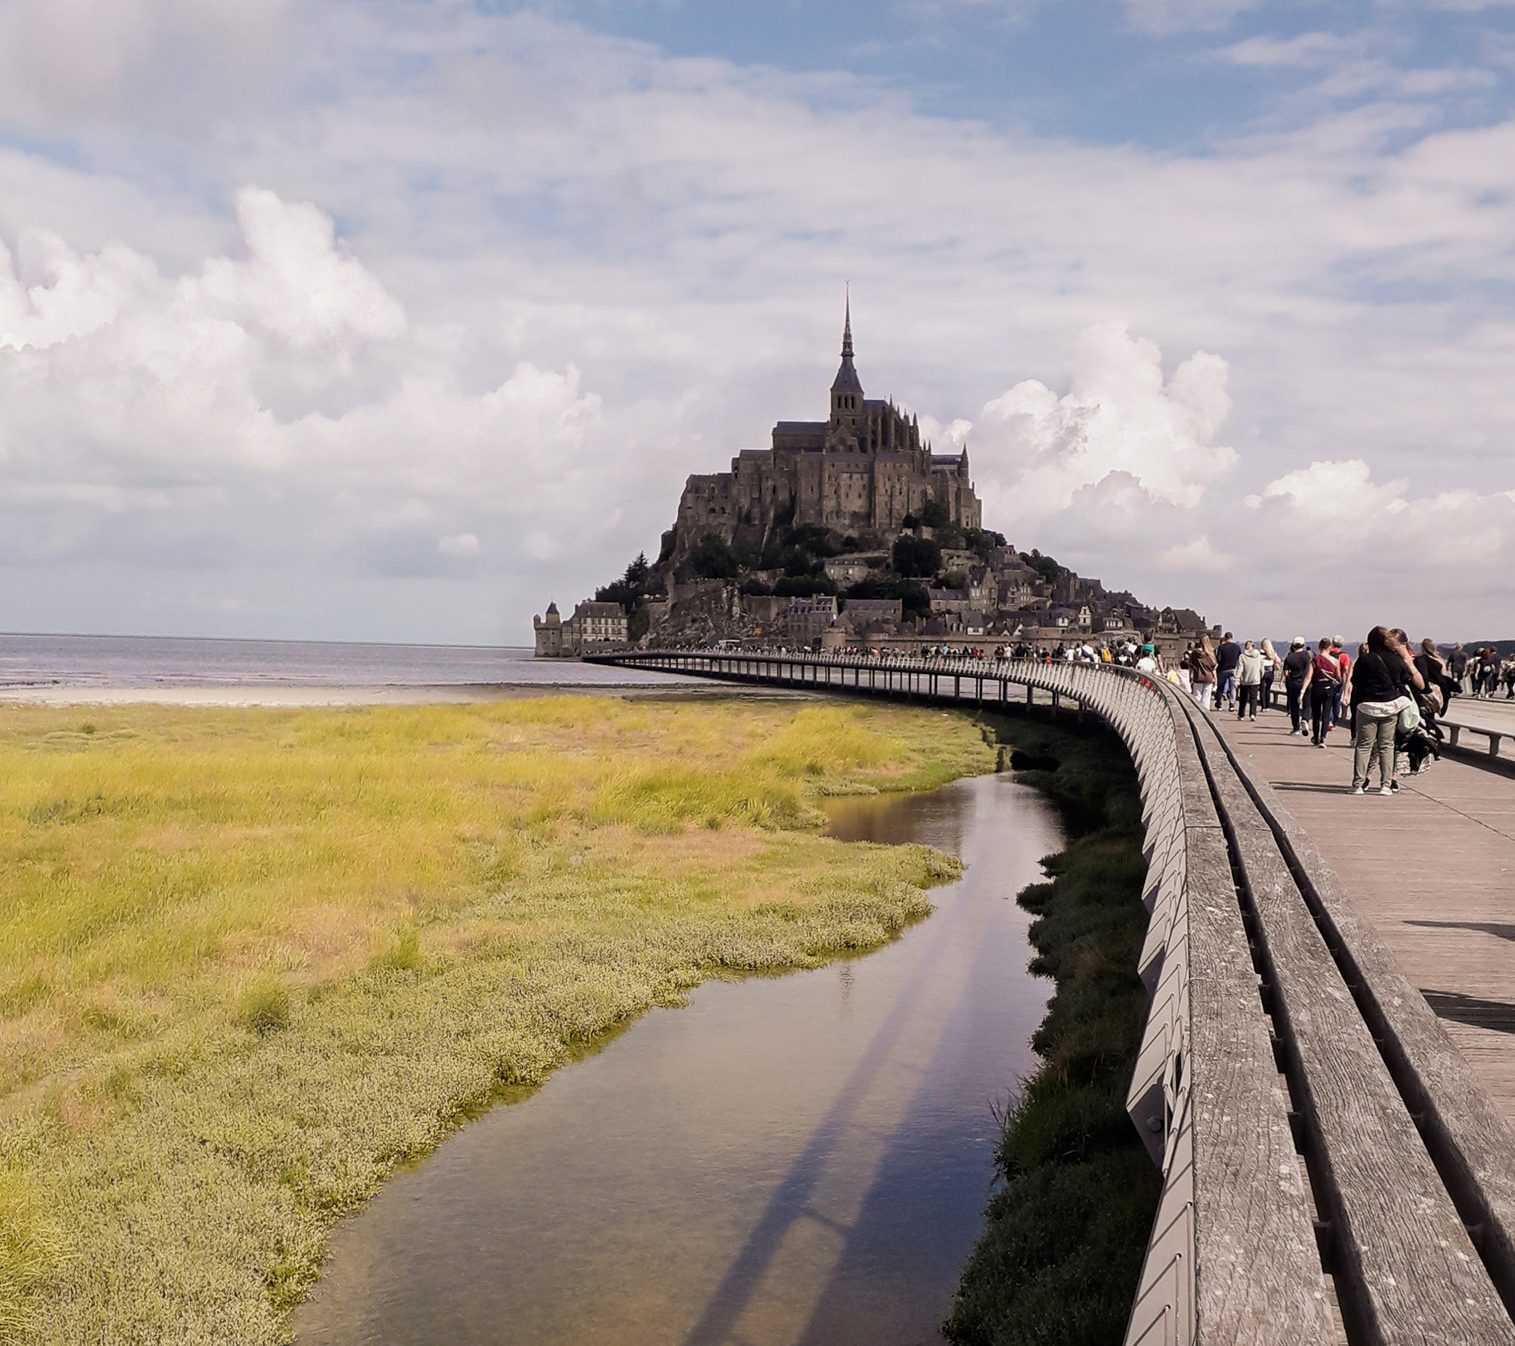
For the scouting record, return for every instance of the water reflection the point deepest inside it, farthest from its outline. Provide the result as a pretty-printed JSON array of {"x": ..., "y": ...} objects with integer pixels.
[{"x": 801, "y": 1159}]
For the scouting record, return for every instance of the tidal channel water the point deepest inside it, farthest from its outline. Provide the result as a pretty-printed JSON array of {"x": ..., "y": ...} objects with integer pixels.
[{"x": 798, "y": 1160}]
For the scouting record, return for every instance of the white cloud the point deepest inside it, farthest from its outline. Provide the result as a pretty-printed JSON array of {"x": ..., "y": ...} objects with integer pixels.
[
  {"x": 458, "y": 544},
  {"x": 297, "y": 283},
  {"x": 1334, "y": 510},
  {"x": 1303, "y": 51},
  {"x": 62, "y": 60},
  {"x": 1119, "y": 419},
  {"x": 1174, "y": 16},
  {"x": 1198, "y": 555},
  {"x": 256, "y": 397}
]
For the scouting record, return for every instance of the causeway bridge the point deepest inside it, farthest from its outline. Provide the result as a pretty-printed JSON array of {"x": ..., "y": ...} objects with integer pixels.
[{"x": 1337, "y": 1155}]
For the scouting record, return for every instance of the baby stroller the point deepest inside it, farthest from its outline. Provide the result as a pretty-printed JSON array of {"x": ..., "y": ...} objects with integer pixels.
[{"x": 1416, "y": 748}]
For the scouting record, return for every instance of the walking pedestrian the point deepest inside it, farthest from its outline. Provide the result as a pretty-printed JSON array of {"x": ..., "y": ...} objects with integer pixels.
[
  {"x": 1457, "y": 666},
  {"x": 1325, "y": 682},
  {"x": 1487, "y": 677},
  {"x": 1202, "y": 672},
  {"x": 1227, "y": 660},
  {"x": 1343, "y": 669},
  {"x": 1297, "y": 667},
  {"x": 1249, "y": 675},
  {"x": 1272, "y": 669}
]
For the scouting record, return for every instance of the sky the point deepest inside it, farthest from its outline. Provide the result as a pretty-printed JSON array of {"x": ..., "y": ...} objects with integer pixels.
[{"x": 393, "y": 319}]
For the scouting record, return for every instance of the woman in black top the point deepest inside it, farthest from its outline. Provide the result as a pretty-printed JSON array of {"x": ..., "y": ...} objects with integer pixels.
[
  {"x": 1437, "y": 696},
  {"x": 1382, "y": 674}
]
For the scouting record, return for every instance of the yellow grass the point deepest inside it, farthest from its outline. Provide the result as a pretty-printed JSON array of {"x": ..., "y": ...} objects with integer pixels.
[{"x": 252, "y": 959}]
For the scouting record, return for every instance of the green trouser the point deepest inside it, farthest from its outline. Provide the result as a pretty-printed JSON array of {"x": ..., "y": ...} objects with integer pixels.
[{"x": 1375, "y": 734}]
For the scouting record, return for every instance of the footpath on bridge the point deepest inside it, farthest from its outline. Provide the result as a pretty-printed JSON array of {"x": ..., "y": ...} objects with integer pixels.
[{"x": 1432, "y": 868}]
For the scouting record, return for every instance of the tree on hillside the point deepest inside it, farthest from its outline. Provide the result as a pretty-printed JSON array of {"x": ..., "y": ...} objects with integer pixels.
[
  {"x": 803, "y": 586},
  {"x": 916, "y": 557},
  {"x": 635, "y": 585},
  {"x": 982, "y": 542},
  {"x": 713, "y": 559},
  {"x": 1044, "y": 566},
  {"x": 934, "y": 514}
]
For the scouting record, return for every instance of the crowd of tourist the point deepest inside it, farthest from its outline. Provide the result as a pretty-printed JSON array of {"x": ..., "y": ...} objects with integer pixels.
[
  {"x": 1386, "y": 693},
  {"x": 1482, "y": 672}
]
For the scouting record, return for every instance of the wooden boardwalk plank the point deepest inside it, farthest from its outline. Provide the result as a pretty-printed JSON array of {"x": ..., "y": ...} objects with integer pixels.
[
  {"x": 1412, "y": 1273},
  {"x": 1258, "y": 1268},
  {"x": 1433, "y": 870}
]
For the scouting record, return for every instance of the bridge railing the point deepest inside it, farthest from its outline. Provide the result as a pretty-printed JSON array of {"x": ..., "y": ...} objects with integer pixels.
[{"x": 1324, "y": 1150}]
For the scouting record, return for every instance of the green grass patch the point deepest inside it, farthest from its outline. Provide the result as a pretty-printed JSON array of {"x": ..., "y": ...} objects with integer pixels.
[
  {"x": 1066, "y": 1232},
  {"x": 251, "y": 960}
]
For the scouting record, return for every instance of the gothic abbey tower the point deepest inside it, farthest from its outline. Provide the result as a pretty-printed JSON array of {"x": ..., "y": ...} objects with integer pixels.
[{"x": 858, "y": 473}]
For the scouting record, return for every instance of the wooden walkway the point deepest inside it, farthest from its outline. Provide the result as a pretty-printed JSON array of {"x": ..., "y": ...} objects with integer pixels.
[{"x": 1432, "y": 869}]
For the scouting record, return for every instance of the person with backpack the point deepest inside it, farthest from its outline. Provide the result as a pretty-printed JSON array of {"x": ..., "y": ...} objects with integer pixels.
[
  {"x": 1273, "y": 667},
  {"x": 1457, "y": 666},
  {"x": 1486, "y": 678},
  {"x": 1325, "y": 682},
  {"x": 1343, "y": 675}
]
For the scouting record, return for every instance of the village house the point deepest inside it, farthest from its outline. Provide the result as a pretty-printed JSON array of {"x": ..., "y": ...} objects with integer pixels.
[
  {"x": 874, "y": 612},
  {"x": 809, "y": 619}
]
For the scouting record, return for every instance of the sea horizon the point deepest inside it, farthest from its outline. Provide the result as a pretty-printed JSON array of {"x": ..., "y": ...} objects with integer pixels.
[
  {"x": 258, "y": 640},
  {"x": 57, "y": 660}
]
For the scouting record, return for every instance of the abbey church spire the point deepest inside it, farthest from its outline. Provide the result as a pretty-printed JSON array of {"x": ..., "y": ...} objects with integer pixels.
[{"x": 846, "y": 390}]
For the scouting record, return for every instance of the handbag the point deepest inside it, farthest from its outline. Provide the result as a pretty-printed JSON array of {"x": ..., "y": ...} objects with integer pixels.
[{"x": 1409, "y": 715}]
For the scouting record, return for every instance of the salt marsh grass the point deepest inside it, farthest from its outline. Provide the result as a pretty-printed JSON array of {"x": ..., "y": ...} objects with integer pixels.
[{"x": 251, "y": 960}]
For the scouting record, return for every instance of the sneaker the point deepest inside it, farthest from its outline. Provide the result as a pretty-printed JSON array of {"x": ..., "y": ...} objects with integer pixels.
[
  {"x": 1359, "y": 790},
  {"x": 1386, "y": 790},
  {"x": 1252, "y": 717},
  {"x": 1320, "y": 743}
]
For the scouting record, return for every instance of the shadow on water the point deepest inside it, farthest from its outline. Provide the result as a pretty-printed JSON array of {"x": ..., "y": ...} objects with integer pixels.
[{"x": 784, "y": 1162}]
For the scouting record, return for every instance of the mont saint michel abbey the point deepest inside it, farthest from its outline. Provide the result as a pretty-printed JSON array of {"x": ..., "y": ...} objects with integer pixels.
[
  {"x": 857, "y": 473},
  {"x": 811, "y": 527}
]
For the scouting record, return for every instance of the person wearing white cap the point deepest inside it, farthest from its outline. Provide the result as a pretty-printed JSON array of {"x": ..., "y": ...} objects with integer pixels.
[{"x": 1299, "y": 663}]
